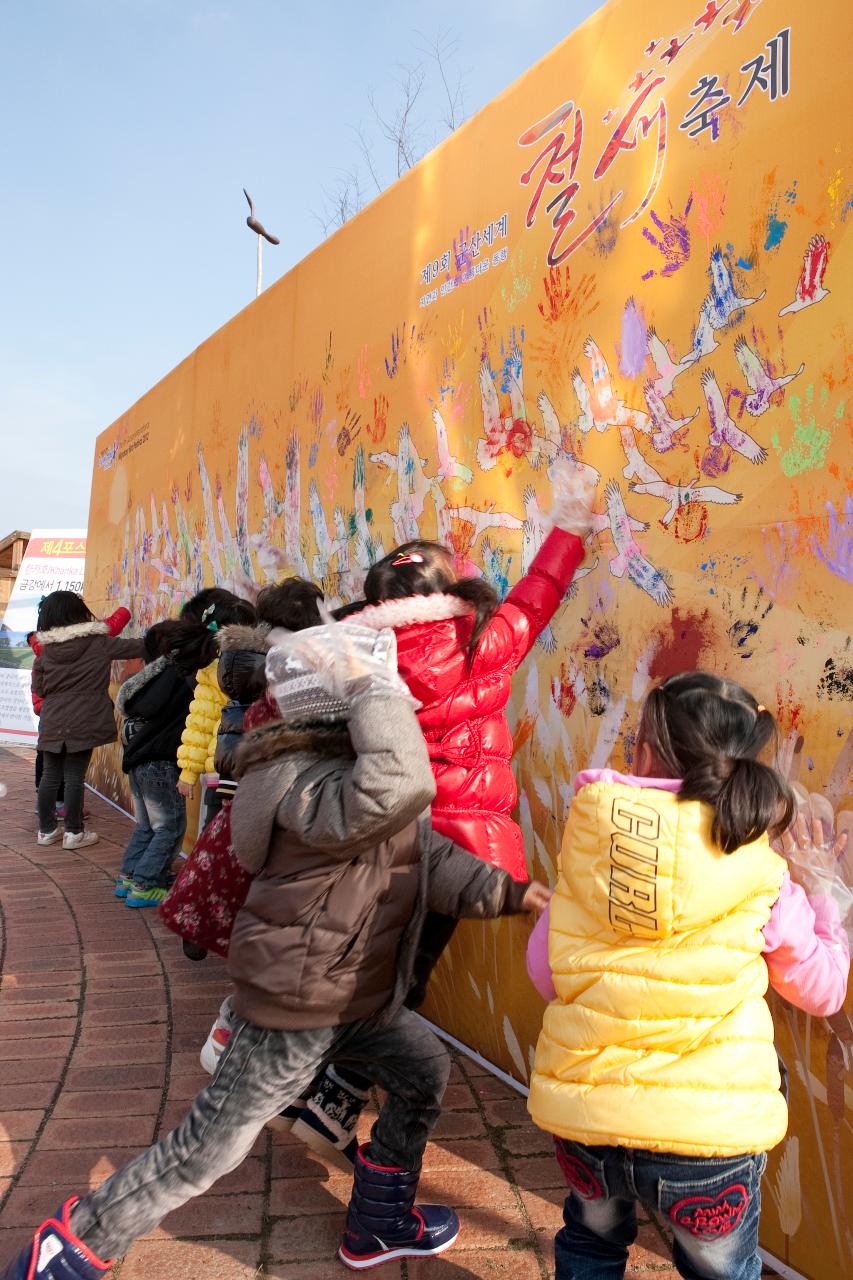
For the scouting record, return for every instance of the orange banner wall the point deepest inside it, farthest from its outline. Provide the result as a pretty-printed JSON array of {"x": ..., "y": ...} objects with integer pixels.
[{"x": 636, "y": 256}]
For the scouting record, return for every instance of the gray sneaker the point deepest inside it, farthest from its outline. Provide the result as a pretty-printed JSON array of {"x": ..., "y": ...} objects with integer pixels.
[
  {"x": 79, "y": 839},
  {"x": 49, "y": 837}
]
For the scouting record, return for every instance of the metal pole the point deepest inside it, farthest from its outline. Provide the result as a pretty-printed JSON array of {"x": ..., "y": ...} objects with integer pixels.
[{"x": 260, "y": 253}]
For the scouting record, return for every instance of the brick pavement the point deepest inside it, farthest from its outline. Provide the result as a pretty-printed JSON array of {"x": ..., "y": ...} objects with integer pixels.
[{"x": 101, "y": 1020}]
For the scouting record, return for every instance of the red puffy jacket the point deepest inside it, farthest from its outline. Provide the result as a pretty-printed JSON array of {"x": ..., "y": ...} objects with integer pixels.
[
  {"x": 115, "y": 624},
  {"x": 463, "y": 709}
]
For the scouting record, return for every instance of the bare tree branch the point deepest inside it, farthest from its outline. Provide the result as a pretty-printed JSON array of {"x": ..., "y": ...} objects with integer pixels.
[
  {"x": 399, "y": 128},
  {"x": 342, "y": 203},
  {"x": 441, "y": 51},
  {"x": 367, "y": 156}
]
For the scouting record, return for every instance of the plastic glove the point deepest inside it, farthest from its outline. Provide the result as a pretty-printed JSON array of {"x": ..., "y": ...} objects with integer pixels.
[
  {"x": 346, "y": 659},
  {"x": 816, "y": 856},
  {"x": 574, "y": 496}
]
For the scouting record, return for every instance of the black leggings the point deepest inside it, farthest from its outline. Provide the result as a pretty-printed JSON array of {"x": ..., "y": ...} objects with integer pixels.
[
  {"x": 70, "y": 767},
  {"x": 40, "y": 770}
]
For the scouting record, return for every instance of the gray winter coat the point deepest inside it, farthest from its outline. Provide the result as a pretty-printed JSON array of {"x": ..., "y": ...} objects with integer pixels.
[
  {"x": 335, "y": 828},
  {"x": 72, "y": 675}
]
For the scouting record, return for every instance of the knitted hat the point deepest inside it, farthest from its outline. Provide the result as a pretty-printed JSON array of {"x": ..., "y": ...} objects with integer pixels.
[{"x": 310, "y": 673}]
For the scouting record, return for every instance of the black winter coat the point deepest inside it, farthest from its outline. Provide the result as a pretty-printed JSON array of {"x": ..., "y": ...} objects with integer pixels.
[
  {"x": 242, "y": 675},
  {"x": 154, "y": 703}
]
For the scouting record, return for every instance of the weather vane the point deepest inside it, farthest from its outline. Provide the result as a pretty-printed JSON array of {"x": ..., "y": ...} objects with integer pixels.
[{"x": 262, "y": 234}]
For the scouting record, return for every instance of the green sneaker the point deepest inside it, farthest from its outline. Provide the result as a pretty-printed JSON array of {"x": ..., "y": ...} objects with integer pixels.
[
  {"x": 124, "y": 884},
  {"x": 139, "y": 897}
]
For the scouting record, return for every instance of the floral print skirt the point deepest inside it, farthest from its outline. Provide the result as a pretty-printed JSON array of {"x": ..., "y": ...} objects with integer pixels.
[{"x": 210, "y": 889}]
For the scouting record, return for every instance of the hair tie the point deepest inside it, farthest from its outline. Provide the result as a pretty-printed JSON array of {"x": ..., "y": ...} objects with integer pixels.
[
  {"x": 408, "y": 557},
  {"x": 759, "y": 708},
  {"x": 213, "y": 625}
]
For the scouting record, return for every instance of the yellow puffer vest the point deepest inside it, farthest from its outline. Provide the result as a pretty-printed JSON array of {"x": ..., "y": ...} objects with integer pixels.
[
  {"x": 198, "y": 740},
  {"x": 660, "y": 1037}
]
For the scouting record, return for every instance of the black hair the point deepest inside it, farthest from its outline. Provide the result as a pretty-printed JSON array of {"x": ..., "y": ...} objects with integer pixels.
[
  {"x": 709, "y": 731},
  {"x": 425, "y": 569},
  {"x": 348, "y": 610},
  {"x": 157, "y": 640},
  {"x": 190, "y": 641},
  {"x": 293, "y": 604},
  {"x": 63, "y": 609}
]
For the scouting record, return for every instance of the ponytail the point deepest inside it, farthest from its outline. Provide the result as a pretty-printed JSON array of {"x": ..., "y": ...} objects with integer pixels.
[
  {"x": 191, "y": 641},
  {"x": 483, "y": 600},
  {"x": 708, "y": 732}
]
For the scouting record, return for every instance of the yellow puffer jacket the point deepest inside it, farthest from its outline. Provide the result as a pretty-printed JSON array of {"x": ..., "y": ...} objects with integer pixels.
[
  {"x": 198, "y": 740},
  {"x": 660, "y": 1037}
]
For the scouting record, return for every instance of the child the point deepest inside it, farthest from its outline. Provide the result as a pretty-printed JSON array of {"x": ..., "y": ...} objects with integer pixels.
[
  {"x": 201, "y": 619},
  {"x": 457, "y": 650},
  {"x": 656, "y": 1067},
  {"x": 72, "y": 676},
  {"x": 333, "y": 809},
  {"x": 116, "y": 623},
  {"x": 155, "y": 704},
  {"x": 212, "y": 886}
]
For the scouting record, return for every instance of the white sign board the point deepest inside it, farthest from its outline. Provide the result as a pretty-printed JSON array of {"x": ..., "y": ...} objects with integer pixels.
[{"x": 53, "y": 561}]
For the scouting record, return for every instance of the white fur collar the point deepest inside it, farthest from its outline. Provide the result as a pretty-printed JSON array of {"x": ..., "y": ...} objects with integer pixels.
[
  {"x": 58, "y": 635},
  {"x": 410, "y": 611}
]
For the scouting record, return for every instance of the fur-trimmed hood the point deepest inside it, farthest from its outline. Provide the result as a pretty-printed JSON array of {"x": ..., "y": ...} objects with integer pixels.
[
  {"x": 271, "y": 741},
  {"x": 59, "y": 635},
  {"x": 251, "y": 639},
  {"x": 138, "y": 681},
  {"x": 410, "y": 611}
]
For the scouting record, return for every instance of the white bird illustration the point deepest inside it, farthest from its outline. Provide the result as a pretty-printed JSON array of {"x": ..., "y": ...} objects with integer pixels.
[
  {"x": 326, "y": 548},
  {"x": 762, "y": 383},
  {"x": 585, "y": 421},
  {"x": 448, "y": 467},
  {"x": 603, "y": 402},
  {"x": 629, "y": 558},
  {"x": 678, "y": 495},
  {"x": 723, "y": 429},
  {"x": 636, "y": 464},
  {"x": 667, "y": 369},
  {"x": 495, "y": 431},
  {"x": 704, "y": 341},
  {"x": 724, "y": 300},
  {"x": 550, "y": 445},
  {"x": 810, "y": 284},
  {"x": 667, "y": 431}
]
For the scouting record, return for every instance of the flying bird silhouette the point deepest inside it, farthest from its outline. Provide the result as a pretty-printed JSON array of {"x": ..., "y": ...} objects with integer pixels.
[
  {"x": 629, "y": 558},
  {"x": 680, "y": 495},
  {"x": 810, "y": 284},
  {"x": 761, "y": 382},
  {"x": 253, "y": 224},
  {"x": 723, "y": 429},
  {"x": 667, "y": 369},
  {"x": 668, "y": 431}
]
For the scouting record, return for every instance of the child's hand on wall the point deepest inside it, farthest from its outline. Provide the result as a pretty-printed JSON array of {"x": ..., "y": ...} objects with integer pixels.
[{"x": 536, "y": 898}]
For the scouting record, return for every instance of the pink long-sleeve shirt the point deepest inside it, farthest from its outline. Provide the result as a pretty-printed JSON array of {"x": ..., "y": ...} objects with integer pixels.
[{"x": 805, "y": 947}]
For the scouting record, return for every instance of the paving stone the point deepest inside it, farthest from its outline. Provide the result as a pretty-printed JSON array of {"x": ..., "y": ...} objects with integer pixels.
[{"x": 126, "y": 1018}]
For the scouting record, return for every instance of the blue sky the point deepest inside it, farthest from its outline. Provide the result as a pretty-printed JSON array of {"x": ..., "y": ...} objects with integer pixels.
[{"x": 130, "y": 128}]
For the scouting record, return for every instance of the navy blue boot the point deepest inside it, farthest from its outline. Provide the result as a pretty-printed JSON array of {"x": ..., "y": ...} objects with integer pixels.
[
  {"x": 57, "y": 1254},
  {"x": 383, "y": 1221}
]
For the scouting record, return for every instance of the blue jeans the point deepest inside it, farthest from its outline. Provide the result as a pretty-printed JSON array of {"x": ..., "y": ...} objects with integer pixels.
[
  {"x": 712, "y": 1206},
  {"x": 161, "y": 821}
]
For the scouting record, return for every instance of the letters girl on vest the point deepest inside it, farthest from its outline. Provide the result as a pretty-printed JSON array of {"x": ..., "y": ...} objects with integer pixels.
[
  {"x": 655, "y": 1068},
  {"x": 71, "y": 676},
  {"x": 331, "y": 814}
]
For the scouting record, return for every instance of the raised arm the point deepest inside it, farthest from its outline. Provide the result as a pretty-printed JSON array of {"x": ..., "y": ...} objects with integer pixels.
[{"x": 806, "y": 951}]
